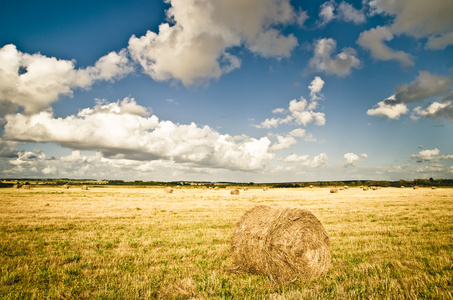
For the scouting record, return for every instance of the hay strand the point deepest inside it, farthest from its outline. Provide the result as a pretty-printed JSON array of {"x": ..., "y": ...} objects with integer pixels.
[{"x": 285, "y": 244}]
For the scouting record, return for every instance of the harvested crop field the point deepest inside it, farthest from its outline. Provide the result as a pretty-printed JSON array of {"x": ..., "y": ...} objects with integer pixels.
[{"x": 131, "y": 243}]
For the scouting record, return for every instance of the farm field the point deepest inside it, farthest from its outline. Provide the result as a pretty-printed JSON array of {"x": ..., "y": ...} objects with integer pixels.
[{"x": 143, "y": 243}]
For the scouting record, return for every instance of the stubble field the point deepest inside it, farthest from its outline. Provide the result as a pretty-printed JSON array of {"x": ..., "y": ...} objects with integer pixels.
[{"x": 142, "y": 243}]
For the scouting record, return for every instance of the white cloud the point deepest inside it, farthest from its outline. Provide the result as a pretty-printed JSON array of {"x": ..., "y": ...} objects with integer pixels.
[
  {"x": 327, "y": 14},
  {"x": 391, "y": 111},
  {"x": 35, "y": 81},
  {"x": 341, "y": 64},
  {"x": 315, "y": 88},
  {"x": 429, "y": 155},
  {"x": 121, "y": 131},
  {"x": 317, "y": 161},
  {"x": 353, "y": 159},
  {"x": 425, "y": 86},
  {"x": 278, "y": 111},
  {"x": 298, "y": 132},
  {"x": 435, "y": 110},
  {"x": 194, "y": 48},
  {"x": 284, "y": 142},
  {"x": 420, "y": 19},
  {"x": 374, "y": 41},
  {"x": 348, "y": 13},
  {"x": 302, "y": 115}
]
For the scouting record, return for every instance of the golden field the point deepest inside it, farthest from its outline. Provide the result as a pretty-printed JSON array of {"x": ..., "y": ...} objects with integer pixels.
[{"x": 143, "y": 243}]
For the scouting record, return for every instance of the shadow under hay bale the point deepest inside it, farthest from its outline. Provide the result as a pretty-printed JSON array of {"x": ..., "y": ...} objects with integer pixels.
[{"x": 283, "y": 244}]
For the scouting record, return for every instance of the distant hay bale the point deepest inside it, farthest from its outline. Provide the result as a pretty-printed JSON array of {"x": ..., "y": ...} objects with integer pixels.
[
  {"x": 374, "y": 188},
  {"x": 246, "y": 189},
  {"x": 433, "y": 187},
  {"x": 311, "y": 186},
  {"x": 168, "y": 190},
  {"x": 26, "y": 187},
  {"x": 205, "y": 188},
  {"x": 265, "y": 188},
  {"x": 234, "y": 192},
  {"x": 65, "y": 186},
  {"x": 216, "y": 188},
  {"x": 346, "y": 187},
  {"x": 415, "y": 187},
  {"x": 84, "y": 188},
  {"x": 16, "y": 186},
  {"x": 365, "y": 188},
  {"x": 341, "y": 188},
  {"x": 333, "y": 190},
  {"x": 284, "y": 244},
  {"x": 402, "y": 186}
]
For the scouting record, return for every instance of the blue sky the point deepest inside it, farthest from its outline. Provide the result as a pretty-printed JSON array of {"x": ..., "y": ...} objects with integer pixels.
[{"x": 256, "y": 90}]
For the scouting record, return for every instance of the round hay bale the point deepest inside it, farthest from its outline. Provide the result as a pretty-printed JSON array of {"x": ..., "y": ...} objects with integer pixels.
[
  {"x": 311, "y": 186},
  {"x": 284, "y": 244},
  {"x": 65, "y": 186},
  {"x": 26, "y": 187},
  {"x": 168, "y": 190},
  {"x": 346, "y": 187},
  {"x": 433, "y": 188},
  {"x": 265, "y": 188},
  {"x": 216, "y": 188},
  {"x": 333, "y": 190},
  {"x": 234, "y": 192},
  {"x": 246, "y": 189},
  {"x": 84, "y": 188},
  {"x": 365, "y": 188},
  {"x": 415, "y": 187}
]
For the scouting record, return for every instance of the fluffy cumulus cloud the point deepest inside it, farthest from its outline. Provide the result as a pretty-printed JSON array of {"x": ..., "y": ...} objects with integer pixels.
[
  {"x": 426, "y": 20},
  {"x": 374, "y": 41},
  {"x": 125, "y": 130},
  {"x": 425, "y": 86},
  {"x": 353, "y": 159},
  {"x": 302, "y": 111},
  {"x": 330, "y": 11},
  {"x": 431, "y": 155},
  {"x": 34, "y": 81},
  {"x": 317, "y": 161},
  {"x": 193, "y": 47},
  {"x": 324, "y": 59},
  {"x": 420, "y": 19}
]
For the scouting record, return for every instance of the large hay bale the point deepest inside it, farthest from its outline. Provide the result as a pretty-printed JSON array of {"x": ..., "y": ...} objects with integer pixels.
[
  {"x": 284, "y": 244},
  {"x": 234, "y": 192},
  {"x": 26, "y": 187},
  {"x": 65, "y": 186},
  {"x": 334, "y": 190},
  {"x": 168, "y": 190},
  {"x": 84, "y": 188}
]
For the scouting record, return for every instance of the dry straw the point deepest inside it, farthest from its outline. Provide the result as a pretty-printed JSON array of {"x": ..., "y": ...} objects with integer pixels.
[
  {"x": 65, "y": 187},
  {"x": 284, "y": 244},
  {"x": 334, "y": 190},
  {"x": 168, "y": 190},
  {"x": 84, "y": 188},
  {"x": 234, "y": 192}
]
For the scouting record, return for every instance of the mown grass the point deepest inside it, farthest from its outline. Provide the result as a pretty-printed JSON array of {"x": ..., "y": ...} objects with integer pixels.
[{"x": 122, "y": 243}]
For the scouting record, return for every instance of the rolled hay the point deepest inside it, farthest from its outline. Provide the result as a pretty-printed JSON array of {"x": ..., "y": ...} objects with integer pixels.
[
  {"x": 168, "y": 190},
  {"x": 246, "y": 189},
  {"x": 216, "y": 188},
  {"x": 26, "y": 187},
  {"x": 84, "y": 188},
  {"x": 265, "y": 188},
  {"x": 284, "y": 244},
  {"x": 433, "y": 188},
  {"x": 234, "y": 192},
  {"x": 65, "y": 186},
  {"x": 333, "y": 190},
  {"x": 311, "y": 186},
  {"x": 415, "y": 187}
]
